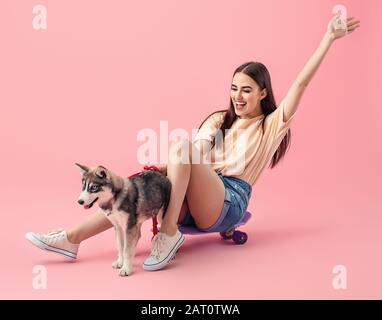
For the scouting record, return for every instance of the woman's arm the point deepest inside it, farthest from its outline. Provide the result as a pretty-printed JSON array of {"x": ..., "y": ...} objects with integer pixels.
[{"x": 298, "y": 87}]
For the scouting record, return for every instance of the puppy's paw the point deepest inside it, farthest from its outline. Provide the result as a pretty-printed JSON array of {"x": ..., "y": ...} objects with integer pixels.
[
  {"x": 125, "y": 271},
  {"x": 117, "y": 264}
]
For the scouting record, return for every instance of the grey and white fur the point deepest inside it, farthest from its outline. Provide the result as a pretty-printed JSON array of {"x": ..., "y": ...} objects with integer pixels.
[{"x": 127, "y": 203}]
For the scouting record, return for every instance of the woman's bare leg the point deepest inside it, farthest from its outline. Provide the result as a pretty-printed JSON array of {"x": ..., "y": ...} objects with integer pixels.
[
  {"x": 183, "y": 212},
  {"x": 94, "y": 224},
  {"x": 179, "y": 175},
  {"x": 209, "y": 192}
]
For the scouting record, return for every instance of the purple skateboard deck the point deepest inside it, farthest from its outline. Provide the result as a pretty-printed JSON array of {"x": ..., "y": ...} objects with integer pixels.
[{"x": 194, "y": 231}]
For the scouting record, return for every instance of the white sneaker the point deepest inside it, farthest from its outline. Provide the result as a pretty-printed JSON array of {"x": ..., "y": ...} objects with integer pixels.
[
  {"x": 55, "y": 241},
  {"x": 163, "y": 250}
]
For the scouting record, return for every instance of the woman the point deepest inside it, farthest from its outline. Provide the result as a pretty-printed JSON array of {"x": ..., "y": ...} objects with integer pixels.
[{"x": 214, "y": 196}]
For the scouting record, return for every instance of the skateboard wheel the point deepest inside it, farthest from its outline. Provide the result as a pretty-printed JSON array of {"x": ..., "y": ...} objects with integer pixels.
[
  {"x": 239, "y": 237},
  {"x": 226, "y": 235}
]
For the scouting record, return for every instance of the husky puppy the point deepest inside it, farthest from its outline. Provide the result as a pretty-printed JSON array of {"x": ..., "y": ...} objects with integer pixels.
[{"x": 127, "y": 203}]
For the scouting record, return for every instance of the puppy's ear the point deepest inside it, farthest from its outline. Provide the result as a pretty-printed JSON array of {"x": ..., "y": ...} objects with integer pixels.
[
  {"x": 101, "y": 172},
  {"x": 83, "y": 169}
]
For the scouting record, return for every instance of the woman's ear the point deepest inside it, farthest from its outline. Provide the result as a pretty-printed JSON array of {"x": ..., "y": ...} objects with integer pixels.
[{"x": 264, "y": 93}]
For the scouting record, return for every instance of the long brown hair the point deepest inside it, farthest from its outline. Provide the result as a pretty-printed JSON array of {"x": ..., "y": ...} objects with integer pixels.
[{"x": 259, "y": 73}]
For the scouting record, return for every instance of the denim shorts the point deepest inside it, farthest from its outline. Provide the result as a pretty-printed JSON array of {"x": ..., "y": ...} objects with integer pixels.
[{"x": 237, "y": 195}]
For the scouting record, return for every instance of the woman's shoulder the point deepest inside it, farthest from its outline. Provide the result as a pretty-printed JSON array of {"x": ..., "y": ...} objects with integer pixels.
[
  {"x": 214, "y": 119},
  {"x": 217, "y": 116}
]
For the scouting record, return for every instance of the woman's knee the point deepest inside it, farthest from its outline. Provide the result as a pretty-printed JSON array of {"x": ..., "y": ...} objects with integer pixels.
[{"x": 180, "y": 152}]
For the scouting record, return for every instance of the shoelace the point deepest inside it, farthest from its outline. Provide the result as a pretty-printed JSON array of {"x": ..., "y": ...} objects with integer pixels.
[
  {"x": 54, "y": 234},
  {"x": 159, "y": 242}
]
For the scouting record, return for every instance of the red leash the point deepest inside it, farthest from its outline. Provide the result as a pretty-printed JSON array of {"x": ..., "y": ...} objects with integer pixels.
[{"x": 152, "y": 168}]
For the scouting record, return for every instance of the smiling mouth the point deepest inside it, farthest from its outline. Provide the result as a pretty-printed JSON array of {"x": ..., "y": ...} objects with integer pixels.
[
  {"x": 240, "y": 106},
  {"x": 88, "y": 206}
]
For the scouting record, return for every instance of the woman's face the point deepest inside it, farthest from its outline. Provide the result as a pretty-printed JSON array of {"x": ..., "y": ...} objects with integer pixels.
[{"x": 246, "y": 96}]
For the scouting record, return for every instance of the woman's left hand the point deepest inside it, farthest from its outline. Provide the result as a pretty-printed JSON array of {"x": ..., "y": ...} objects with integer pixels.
[{"x": 351, "y": 25}]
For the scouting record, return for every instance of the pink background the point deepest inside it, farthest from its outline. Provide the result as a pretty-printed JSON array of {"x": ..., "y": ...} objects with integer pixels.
[{"x": 81, "y": 90}]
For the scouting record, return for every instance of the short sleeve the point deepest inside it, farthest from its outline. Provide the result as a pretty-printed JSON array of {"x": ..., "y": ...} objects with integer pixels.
[
  {"x": 275, "y": 124},
  {"x": 210, "y": 127}
]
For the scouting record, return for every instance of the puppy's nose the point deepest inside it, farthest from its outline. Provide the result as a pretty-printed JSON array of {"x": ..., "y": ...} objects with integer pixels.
[{"x": 81, "y": 201}]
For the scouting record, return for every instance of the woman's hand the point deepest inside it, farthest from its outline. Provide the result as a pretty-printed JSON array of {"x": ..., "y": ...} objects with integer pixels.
[
  {"x": 162, "y": 169},
  {"x": 337, "y": 33}
]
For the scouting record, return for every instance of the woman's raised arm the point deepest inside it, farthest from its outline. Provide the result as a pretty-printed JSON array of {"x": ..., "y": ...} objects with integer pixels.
[{"x": 292, "y": 99}]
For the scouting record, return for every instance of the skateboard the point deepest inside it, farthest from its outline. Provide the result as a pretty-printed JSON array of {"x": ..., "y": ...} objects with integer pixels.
[{"x": 238, "y": 237}]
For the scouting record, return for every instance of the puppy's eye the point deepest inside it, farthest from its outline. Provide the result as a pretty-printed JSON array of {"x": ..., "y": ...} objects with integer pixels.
[{"x": 94, "y": 187}]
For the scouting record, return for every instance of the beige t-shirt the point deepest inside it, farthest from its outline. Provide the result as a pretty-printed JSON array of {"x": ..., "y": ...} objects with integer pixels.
[{"x": 247, "y": 147}]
